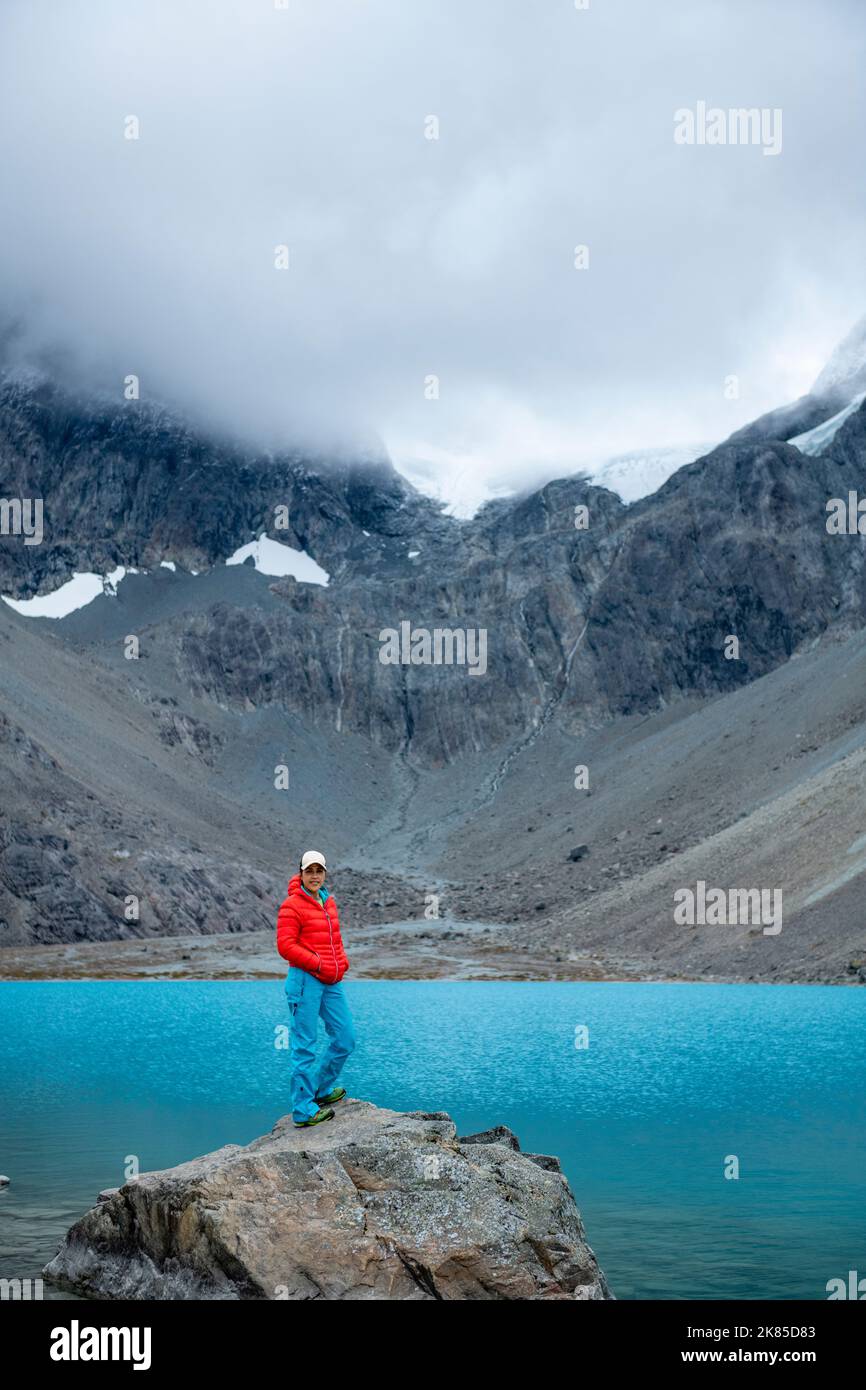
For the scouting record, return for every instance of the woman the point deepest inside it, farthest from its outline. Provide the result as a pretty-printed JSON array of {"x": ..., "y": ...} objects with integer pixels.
[{"x": 308, "y": 937}]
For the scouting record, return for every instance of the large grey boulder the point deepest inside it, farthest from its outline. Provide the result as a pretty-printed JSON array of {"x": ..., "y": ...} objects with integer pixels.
[{"x": 374, "y": 1204}]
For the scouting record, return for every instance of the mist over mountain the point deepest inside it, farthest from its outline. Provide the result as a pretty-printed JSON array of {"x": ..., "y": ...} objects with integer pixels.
[
  {"x": 607, "y": 627},
  {"x": 429, "y": 177}
]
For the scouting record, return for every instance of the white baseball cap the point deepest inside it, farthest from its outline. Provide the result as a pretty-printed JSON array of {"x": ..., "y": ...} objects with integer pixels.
[{"x": 313, "y": 856}]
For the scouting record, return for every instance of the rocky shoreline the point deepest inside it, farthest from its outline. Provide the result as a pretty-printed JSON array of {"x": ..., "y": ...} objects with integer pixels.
[
  {"x": 394, "y": 951},
  {"x": 401, "y": 951}
]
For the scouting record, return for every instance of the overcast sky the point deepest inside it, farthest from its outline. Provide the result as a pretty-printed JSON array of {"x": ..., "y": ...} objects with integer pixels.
[{"x": 453, "y": 257}]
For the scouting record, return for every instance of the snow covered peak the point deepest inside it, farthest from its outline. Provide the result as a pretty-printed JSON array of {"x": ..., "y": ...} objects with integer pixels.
[
  {"x": 845, "y": 372},
  {"x": 631, "y": 476}
]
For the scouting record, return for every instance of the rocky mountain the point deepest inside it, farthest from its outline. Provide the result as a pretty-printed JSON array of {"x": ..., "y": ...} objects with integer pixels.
[
  {"x": 609, "y": 620},
  {"x": 155, "y": 777}
]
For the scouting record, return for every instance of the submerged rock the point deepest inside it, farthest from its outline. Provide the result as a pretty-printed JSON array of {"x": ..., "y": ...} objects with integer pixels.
[{"x": 374, "y": 1204}]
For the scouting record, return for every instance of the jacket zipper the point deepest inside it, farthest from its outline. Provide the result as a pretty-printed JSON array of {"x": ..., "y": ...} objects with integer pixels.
[{"x": 331, "y": 938}]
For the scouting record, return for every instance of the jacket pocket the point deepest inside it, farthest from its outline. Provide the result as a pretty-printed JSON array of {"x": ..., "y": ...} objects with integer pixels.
[{"x": 295, "y": 985}]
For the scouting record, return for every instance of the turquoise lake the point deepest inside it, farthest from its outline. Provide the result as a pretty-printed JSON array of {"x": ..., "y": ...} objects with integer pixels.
[{"x": 675, "y": 1078}]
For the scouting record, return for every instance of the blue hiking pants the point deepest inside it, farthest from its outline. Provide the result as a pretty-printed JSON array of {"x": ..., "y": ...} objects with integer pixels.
[{"x": 308, "y": 998}]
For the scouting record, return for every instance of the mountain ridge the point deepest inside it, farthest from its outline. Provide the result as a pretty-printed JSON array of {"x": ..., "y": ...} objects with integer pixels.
[{"x": 156, "y": 776}]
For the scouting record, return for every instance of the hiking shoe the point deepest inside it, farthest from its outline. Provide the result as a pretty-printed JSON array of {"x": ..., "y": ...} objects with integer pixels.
[
  {"x": 335, "y": 1095},
  {"x": 320, "y": 1115}
]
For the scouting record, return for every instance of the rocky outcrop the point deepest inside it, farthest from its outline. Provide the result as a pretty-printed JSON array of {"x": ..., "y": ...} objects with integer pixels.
[{"x": 374, "y": 1204}]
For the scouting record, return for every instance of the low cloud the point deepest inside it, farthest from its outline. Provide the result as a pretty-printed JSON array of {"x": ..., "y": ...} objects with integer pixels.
[{"x": 411, "y": 258}]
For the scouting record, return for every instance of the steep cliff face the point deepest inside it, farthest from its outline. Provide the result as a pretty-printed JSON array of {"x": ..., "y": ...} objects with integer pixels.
[
  {"x": 618, "y": 617},
  {"x": 733, "y": 545},
  {"x": 134, "y": 485},
  {"x": 614, "y": 617}
]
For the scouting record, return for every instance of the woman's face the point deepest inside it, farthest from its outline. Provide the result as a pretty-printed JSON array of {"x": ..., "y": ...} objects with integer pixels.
[{"x": 312, "y": 877}]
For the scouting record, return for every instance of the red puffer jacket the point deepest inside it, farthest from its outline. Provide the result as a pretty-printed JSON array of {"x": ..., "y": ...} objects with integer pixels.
[{"x": 308, "y": 934}]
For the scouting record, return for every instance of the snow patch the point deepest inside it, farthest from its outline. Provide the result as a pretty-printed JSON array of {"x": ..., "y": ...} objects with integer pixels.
[
  {"x": 76, "y": 593},
  {"x": 643, "y": 472},
  {"x": 278, "y": 560},
  {"x": 168, "y": 565},
  {"x": 816, "y": 440}
]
